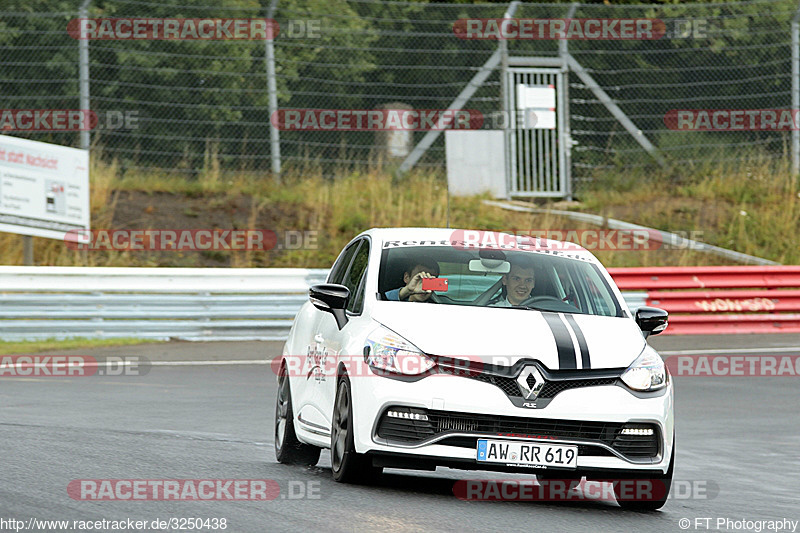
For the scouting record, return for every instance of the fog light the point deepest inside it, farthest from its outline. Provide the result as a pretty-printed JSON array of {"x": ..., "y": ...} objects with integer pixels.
[
  {"x": 637, "y": 431},
  {"x": 407, "y": 415}
]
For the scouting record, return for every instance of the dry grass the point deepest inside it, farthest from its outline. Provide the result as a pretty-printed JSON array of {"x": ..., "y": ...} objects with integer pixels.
[
  {"x": 338, "y": 209},
  {"x": 751, "y": 206}
]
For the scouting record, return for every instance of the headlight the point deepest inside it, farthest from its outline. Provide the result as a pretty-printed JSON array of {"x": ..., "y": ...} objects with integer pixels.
[
  {"x": 391, "y": 352},
  {"x": 647, "y": 372}
]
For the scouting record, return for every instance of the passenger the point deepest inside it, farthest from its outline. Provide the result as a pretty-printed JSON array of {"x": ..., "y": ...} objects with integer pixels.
[
  {"x": 517, "y": 286},
  {"x": 412, "y": 277}
]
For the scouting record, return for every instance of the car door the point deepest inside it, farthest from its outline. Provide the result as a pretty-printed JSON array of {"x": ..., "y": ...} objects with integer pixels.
[
  {"x": 315, "y": 357},
  {"x": 335, "y": 340}
]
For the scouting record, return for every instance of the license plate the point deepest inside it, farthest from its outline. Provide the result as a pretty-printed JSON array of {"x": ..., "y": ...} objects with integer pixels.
[{"x": 527, "y": 453}]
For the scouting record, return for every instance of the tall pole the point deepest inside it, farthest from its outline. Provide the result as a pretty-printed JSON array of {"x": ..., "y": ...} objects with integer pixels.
[
  {"x": 272, "y": 90},
  {"x": 502, "y": 46},
  {"x": 83, "y": 71},
  {"x": 563, "y": 52},
  {"x": 796, "y": 90}
]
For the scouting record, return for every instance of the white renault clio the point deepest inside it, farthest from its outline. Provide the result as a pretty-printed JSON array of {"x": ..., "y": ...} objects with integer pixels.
[{"x": 479, "y": 351}]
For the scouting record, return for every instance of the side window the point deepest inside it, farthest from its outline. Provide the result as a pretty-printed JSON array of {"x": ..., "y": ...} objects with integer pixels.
[
  {"x": 355, "y": 276},
  {"x": 340, "y": 267}
]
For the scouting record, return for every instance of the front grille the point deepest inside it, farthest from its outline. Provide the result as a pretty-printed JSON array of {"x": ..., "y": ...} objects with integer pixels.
[
  {"x": 511, "y": 388},
  {"x": 637, "y": 445},
  {"x": 551, "y": 388},
  {"x": 403, "y": 429},
  {"x": 409, "y": 430},
  {"x": 507, "y": 385},
  {"x": 600, "y": 431}
]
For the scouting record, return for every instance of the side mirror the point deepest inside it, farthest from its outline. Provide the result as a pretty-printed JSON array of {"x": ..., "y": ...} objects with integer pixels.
[
  {"x": 651, "y": 320},
  {"x": 331, "y": 298}
]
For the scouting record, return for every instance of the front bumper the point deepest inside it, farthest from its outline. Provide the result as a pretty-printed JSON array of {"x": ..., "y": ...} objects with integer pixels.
[{"x": 461, "y": 410}]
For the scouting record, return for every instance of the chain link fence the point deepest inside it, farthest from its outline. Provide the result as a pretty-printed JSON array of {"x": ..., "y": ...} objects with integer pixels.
[{"x": 190, "y": 106}]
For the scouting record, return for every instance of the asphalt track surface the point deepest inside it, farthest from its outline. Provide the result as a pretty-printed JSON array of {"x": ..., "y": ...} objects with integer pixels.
[{"x": 738, "y": 439}]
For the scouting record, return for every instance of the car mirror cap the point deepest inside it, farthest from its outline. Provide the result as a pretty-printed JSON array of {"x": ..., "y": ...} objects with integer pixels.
[
  {"x": 331, "y": 298},
  {"x": 652, "y": 320}
]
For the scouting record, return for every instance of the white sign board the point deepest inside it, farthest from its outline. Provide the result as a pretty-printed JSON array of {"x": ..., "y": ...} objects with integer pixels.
[
  {"x": 476, "y": 162},
  {"x": 44, "y": 188},
  {"x": 538, "y": 106}
]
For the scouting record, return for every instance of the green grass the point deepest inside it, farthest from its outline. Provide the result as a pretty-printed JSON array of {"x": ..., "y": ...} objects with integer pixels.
[
  {"x": 53, "y": 345},
  {"x": 751, "y": 206}
]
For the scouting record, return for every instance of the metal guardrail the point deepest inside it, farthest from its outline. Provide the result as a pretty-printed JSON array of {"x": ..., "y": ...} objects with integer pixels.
[
  {"x": 721, "y": 300},
  {"x": 260, "y": 304},
  {"x": 156, "y": 303}
]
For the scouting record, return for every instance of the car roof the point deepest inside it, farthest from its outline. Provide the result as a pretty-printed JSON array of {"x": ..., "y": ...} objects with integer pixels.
[{"x": 409, "y": 235}]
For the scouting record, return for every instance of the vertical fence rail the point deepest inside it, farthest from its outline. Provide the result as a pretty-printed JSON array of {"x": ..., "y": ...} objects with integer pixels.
[
  {"x": 796, "y": 90},
  {"x": 83, "y": 74}
]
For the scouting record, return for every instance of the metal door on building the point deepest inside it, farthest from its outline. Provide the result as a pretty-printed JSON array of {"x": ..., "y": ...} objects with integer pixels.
[{"x": 536, "y": 133}]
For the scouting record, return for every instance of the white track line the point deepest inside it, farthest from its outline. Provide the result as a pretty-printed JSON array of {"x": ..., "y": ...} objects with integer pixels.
[
  {"x": 208, "y": 363},
  {"x": 772, "y": 349}
]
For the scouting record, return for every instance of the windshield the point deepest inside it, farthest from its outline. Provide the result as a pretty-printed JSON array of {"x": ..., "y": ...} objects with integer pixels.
[{"x": 495, "y": 278}]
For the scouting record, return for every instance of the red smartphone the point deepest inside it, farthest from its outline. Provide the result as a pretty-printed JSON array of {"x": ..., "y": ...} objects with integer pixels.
[{"x": 434, "y": 284}]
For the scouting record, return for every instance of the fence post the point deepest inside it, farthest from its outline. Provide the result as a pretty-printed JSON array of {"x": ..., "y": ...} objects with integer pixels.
[
  {"x": 502, "y": 46},
  {"x": 27, "y": 250},
  {"x": 83, "y": 70},
  {"x": 563, "y": 52},
  {"x": 796, "y": 90},
  {"x": 272, "y": 90}
]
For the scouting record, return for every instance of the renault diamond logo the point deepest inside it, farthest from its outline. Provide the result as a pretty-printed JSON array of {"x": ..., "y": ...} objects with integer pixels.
[{"x": 530, "y": 382}]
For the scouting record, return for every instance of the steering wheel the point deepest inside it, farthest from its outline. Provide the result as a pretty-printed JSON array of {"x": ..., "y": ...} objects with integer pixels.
[
  {"x": 546, "y": 298},
  {"x": 435, "y": 298}
]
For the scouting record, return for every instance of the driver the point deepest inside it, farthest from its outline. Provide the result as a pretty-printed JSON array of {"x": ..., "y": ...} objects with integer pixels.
[
  {"x": 517, "y": 286},
  {"x": 412, "y": 277}
]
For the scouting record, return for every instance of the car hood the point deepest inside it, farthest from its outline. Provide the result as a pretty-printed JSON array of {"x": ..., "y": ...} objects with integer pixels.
[{"x": 504, "y": 335}]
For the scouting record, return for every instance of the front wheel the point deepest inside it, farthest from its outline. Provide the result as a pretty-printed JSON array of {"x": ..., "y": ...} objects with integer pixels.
[
  {"x": 347, "y": 465},
  {"x": 288, "y": 449}
]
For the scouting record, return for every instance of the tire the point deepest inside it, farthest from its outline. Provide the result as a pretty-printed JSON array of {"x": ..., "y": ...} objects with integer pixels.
[
  {"x": 347, "y": 466},
  {"x": 288, "y": 449},
  {"x": 655, "y": 504}
]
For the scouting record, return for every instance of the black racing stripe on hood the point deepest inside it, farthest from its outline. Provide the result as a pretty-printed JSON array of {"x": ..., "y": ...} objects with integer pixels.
[
  {"x": 566, "y": 350},
  {"x": 585, "y": 361}
]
